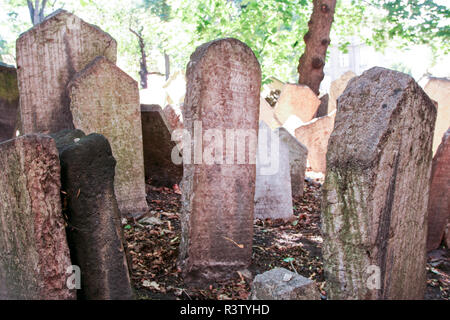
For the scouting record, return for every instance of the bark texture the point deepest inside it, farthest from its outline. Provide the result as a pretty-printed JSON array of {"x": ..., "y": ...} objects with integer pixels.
[
  {"x": 34, "y": 255},
  {"x": 105, "y": 100},
  {"x": 317, "y": 39},
  {"x": 94, "y": 226},
  {"x": 223, "y": 85},
  {"x": 375, "y": 194},
  {"x": 48, "y": 56}
]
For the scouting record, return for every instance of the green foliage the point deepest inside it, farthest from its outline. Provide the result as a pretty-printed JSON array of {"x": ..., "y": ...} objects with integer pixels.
[{"x": 274, "y": 29}]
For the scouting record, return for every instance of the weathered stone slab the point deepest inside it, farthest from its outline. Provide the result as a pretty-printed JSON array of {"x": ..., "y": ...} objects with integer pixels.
[
  {"x": 323, "y": 107},
  {"x": 282, "y": 284},
  {"x": 34, "y": 255},
  {"x": 438, "y": 89},
  {"x": 173, "y": 116},
  {"x": 48, "y": 55},
  {"x": 314, "y": 135},
  {"x": 9, "y": 101},
  {"x": 375, "y": 194},
  {"x": 273, "y": 196},
  {"x": 337, "y": 87},
  {"x": 266, "y": 114},
  {"x": 105, "y": 100},
  {"x": 158, "y": 148},
  {"x": 95, "y": 230},
  {"x": 439, "y": 201},
  {"x": 298, "y": 154},
  {"x": 223, "y": 91},
  {"x": 298, "y": 100}
]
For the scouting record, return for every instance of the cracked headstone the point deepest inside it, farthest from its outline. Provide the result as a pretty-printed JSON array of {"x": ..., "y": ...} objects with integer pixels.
[
  {"x": 375, "y": 194},
  {"x": 105, "y": 100},
  {"x": 222, "y": 98},
  {"x": 48, "y": 56},
  {"x": 34, "y": 256}
]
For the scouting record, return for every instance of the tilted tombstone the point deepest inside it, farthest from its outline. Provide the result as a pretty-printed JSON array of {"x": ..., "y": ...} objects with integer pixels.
[
  {"x": 273, "y": 196},
  {"x": 173, "y": 116},
  {"x": 438, "y": 89},
  {"x": 267, "y": 115},
  {"x": 323, "y": 107},
  {"x": 439, "y": 202},
  {"x": 298, "y": 154},
  {"x": 375, "y": 194},
  {"x": 9, "y": 101},
  {"x": 314, "y": 135},
  {"x": 94, "y": 231},
  {"x": 105, "y": 100},
  {"x": 48, "y": 55},
  {"x": 160, "y": 168},
  {"x": 337, "y": 87},
  {"x": 298, "y": 100},
  {"x": 223, "y": 89},
  {"x": 34, "y": 256}
]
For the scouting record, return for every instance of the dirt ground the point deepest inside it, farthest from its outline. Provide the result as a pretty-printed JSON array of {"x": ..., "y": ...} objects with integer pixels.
[{"x": 153, "y": 243}]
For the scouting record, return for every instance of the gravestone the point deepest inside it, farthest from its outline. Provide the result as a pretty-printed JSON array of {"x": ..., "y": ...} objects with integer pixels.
[
  {"x": 298, "y": 154},
  {"x": 105, "y": 100},
  {"x": 95, "y": 231},
  {"x": 323, "y": 107},
  {"x": 438, "y": 89},
  {"x": 337, "y": 87},
  {"x": 267, "y": 114},
  {"x": 273, "y": 195},
  {"x": 439, "y": 201},
  {"x": 158, "y": 148},
  {"x": 282, "y": 284},
  {"x": 314, "y": 135},
  {"x": 173, "y": 116},
  {"x": 34, "y": 255},
  {"x": 9, "y": 101},
  {"x": 375, "y": 194},
  {"x": 298, "y": 100},
  {"x": 223, "y": 91},
  {"x": 48, "y": 56}
]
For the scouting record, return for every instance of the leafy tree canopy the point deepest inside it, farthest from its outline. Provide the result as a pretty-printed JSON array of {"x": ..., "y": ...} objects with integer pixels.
[{"x": 272, "y": 28}]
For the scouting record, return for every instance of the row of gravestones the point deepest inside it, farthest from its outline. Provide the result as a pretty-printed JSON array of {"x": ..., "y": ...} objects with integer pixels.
[{"x": 375, "y": 198}]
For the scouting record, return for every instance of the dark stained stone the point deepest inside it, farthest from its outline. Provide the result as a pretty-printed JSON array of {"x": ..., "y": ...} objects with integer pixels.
[{"x": 94, "y": 226}]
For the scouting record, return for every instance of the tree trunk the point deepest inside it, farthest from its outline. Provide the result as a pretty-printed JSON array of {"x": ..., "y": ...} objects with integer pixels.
[
  {"x": 317, "y": 39},
  {"x": 167, "y": 64},
  {"x": 143, "y": 73},
  {"x": 36, "y": 13}
]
